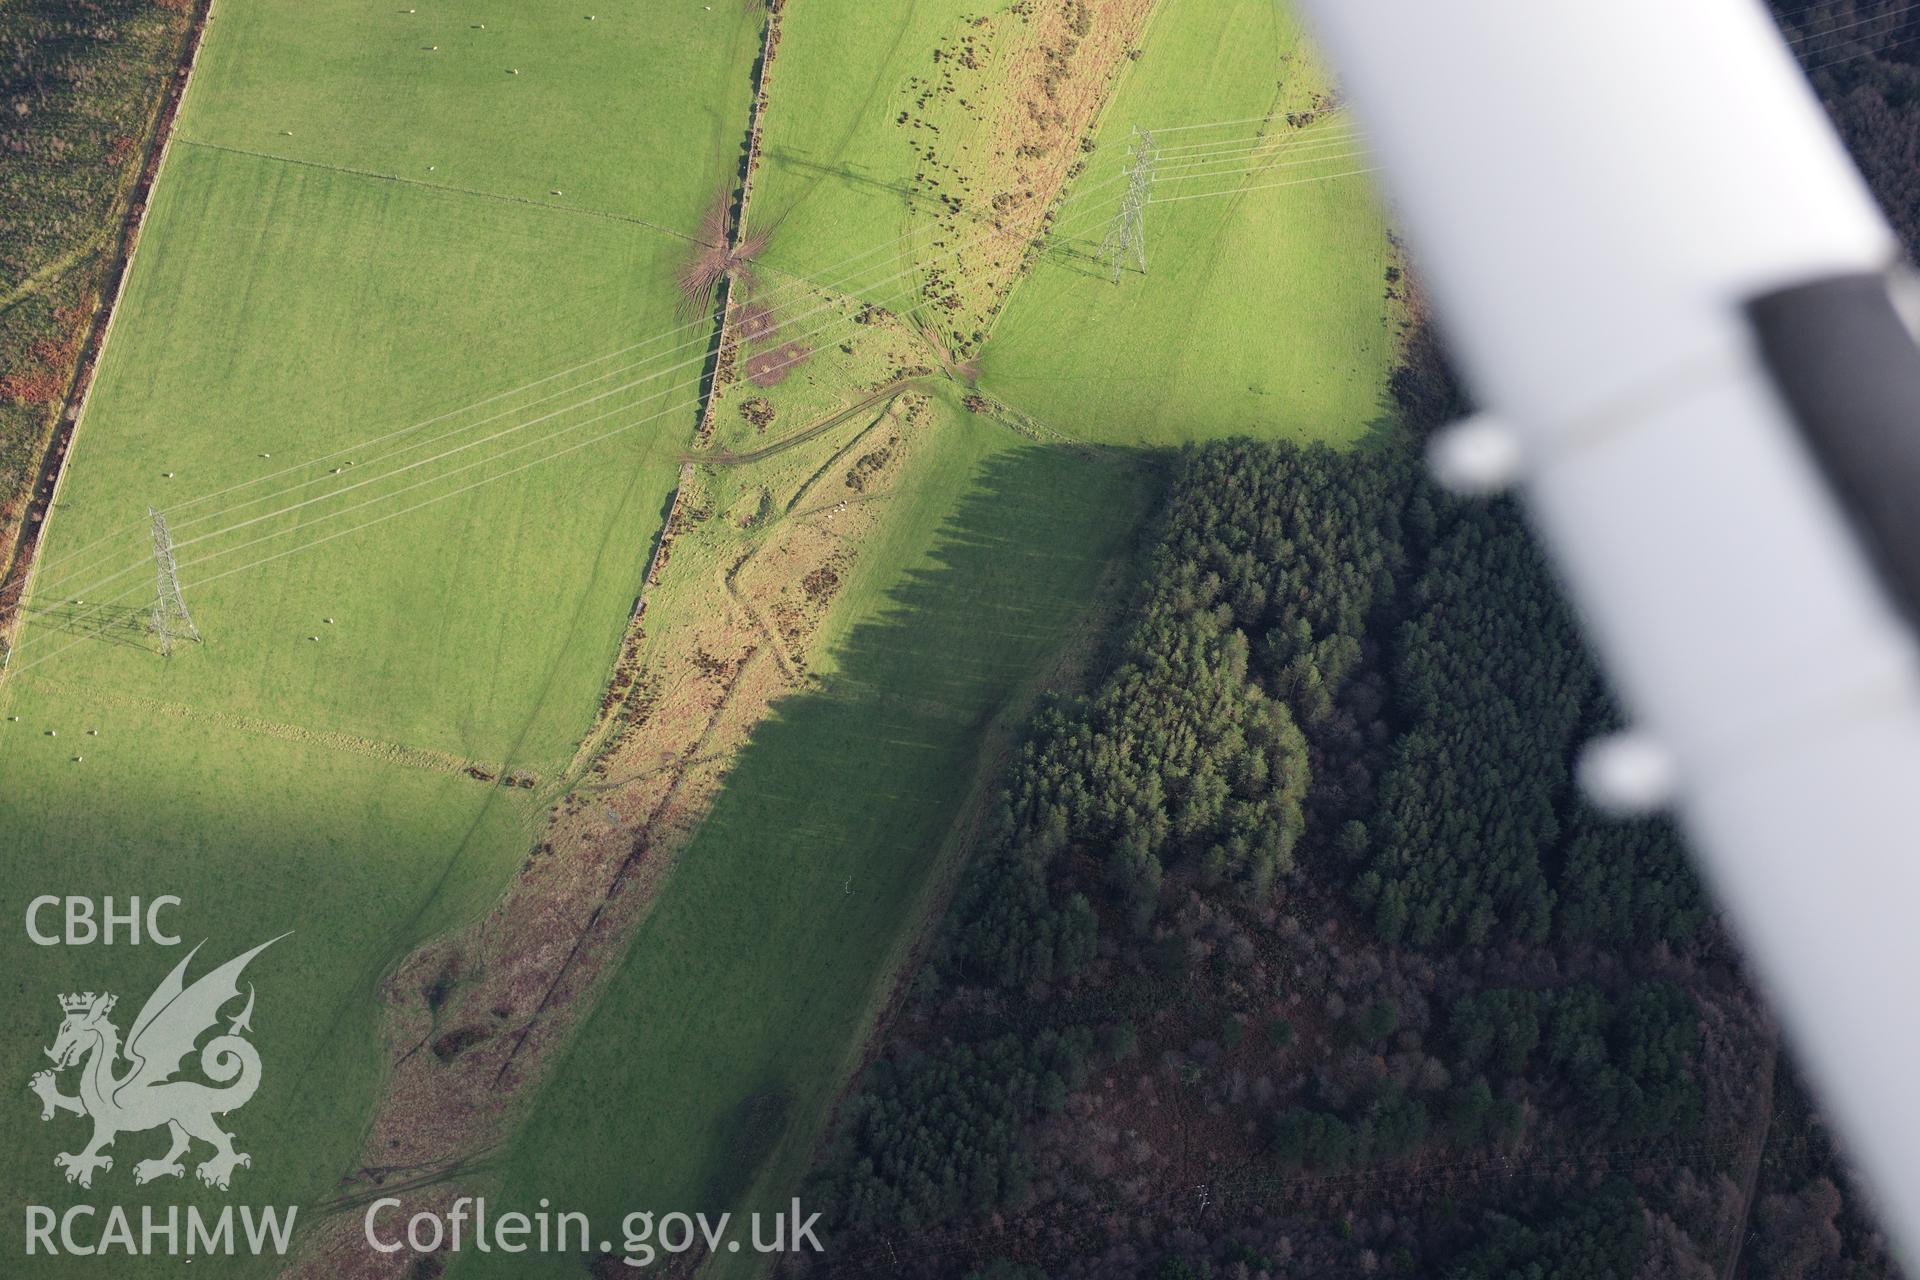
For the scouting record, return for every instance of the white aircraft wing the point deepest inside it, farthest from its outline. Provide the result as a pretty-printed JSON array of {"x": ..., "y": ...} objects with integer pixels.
[{"x": 1670, "y": 290}]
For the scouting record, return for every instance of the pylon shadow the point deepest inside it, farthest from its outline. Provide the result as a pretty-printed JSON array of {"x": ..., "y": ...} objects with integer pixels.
[{"x": 114, "y": 623}]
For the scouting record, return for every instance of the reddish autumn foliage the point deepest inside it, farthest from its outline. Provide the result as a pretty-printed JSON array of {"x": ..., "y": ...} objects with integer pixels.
[
  {"x": 44, "y": 378},
  {"x": 756, "y": 322},
  {"x": 716, "y": 259},
  {"x": 770, "y": 367}
]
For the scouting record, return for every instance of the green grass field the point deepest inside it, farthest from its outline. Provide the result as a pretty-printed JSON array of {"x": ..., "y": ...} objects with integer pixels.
[
  {"x": 433, "y": 644},
  {"x": 357, "y": 234},
  {"x": 1261, "y": 313},
  {"x": 705, "y": 1074},
  {"x": 301, "y": 309},
  {"x": 707, "y": 1071},
  {"x": 259, "y": 836},
  {"x": 834, "y": 187},
  {"x": 639, "y": 112}
]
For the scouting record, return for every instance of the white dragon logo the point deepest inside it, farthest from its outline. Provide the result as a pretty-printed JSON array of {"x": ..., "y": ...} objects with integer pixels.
[{"x": 144, "y": 1097}]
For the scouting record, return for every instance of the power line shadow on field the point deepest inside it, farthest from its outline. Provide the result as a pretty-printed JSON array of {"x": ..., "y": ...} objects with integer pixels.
[
  {"x": 916, "y": 201},
  {"x": 769, "y": 944},
  {"x": 114, "y": 623},
  {"x": 1080, "y": 256},
  {"x": 786, "y": 156}
]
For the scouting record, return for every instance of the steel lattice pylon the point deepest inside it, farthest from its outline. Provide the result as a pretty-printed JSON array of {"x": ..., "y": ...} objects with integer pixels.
[
  {"x": 170, "y": 620},
  {"x": 1127, "y": 233}
]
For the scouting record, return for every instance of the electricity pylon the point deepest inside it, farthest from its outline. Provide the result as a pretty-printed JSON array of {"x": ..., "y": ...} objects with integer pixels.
[
  {"x": 1127, "y": 233},
  {"x": 170, "y": 621}
]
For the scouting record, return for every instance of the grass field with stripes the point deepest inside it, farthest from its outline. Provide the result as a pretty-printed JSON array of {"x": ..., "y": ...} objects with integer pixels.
[
  {"x": 835, "y": 827},
  {"x": 404, "y": 362},
  {"x": 384, "y": 605}
]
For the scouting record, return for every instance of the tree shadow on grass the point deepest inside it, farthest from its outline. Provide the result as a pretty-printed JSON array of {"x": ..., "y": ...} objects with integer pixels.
[{"x": 756, "y": 972}]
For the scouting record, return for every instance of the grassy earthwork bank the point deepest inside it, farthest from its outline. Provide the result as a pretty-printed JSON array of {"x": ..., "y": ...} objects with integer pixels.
[{"x": 704, "y": 1076}]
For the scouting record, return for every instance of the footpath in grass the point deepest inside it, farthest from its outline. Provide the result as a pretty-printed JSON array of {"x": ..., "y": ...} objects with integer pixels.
[
  {"x": 706, "y": 1072},
  {"x": 1261, "y": 313}
]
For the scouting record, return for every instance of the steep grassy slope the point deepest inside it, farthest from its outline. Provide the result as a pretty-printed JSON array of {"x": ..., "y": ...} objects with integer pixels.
[{"x": 705, "y": 1075}]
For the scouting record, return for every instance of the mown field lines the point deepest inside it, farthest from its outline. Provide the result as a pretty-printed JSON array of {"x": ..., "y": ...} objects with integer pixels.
[
  {"x": 291, "y": 312},
  {"x": 639, "y": 386},
  {"x": 361, "y": 857},
  {"x": 625, "y": 112},
  {"x": 302, "y": 368},
  {"x": 401, "y": 358}
]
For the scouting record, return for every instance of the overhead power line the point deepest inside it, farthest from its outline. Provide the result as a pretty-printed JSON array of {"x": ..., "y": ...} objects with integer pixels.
[
  {"x": 1127, "y": 233},
  {"x": 546, "y": 457},
  {"x": 170, "y": 620}
]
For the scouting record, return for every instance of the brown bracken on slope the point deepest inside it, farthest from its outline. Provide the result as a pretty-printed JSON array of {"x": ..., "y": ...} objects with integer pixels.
[{"x": 476, "y": 1017}]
